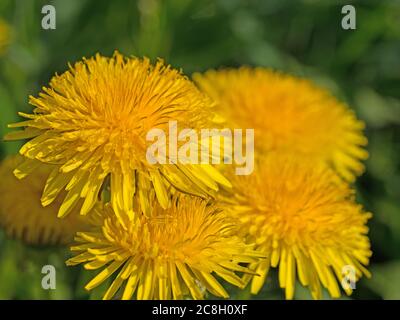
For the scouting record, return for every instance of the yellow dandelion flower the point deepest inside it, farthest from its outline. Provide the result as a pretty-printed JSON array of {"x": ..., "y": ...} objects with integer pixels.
[
  {"x": 92, "y": 122},
  {"x": 289, "y": 113},
  {"x": 22, "y": 215},
  {"x": 177, "y": 252},
  {"x": 303, "y": 217},
  {"x": 4, "y": 35}
]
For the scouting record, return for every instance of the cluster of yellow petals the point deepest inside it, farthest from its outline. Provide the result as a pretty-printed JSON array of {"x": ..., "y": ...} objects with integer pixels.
[
  {"x": 304, "y": 219},
  {"x": 91, "y": 123},
  {"x": 158, "y": 231},
  {"x": 23, "y": 217},
  {"x": 289, "y": 114},
  {"x": 178, "y": 252}
]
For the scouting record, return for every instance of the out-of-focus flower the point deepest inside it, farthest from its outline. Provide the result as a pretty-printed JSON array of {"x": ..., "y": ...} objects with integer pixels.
[
  {"x": 289, "y": 114},
  {"x": 4, "y": 36},
  {"x": 177, "y": 252},
  {"x": 21, "y": 213}
]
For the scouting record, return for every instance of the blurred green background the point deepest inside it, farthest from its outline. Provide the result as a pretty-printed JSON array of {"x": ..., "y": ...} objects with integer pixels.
[{"x": 360, "y": 66}]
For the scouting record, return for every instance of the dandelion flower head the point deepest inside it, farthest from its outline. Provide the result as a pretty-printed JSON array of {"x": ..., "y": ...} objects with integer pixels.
[
  {"x": 91, "y": 123},
  {"x": 303, "y": 217},
  {"x": 178, "y": 252},
  {"x": 22, "y": 215},
  {"x": 289, "y": 114}
]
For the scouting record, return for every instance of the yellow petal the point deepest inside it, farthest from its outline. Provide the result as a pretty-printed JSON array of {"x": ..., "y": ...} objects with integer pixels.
[{"x": 104, "y": 274}]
